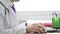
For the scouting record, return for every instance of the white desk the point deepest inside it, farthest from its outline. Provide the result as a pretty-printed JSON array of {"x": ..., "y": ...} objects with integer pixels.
[
  {"x": 52, "y": 33},
  {"x": 38, "y": 21}
]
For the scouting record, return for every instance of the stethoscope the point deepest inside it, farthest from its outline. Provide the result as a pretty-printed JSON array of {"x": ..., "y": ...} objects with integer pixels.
[{"x": 6, "y": 9}]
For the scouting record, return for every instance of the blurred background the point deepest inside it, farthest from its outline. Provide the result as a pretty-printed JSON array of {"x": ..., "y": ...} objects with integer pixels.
[
  {"x": 36, "y": 9},
  {"x": 35, "y": 15},
  {"x": 38, "y": 5}
]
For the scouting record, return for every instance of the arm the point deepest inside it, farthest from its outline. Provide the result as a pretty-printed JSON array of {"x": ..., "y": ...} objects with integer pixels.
[
  {"x": 20, "y": 29},
  {"x": 17, "y": 30}
]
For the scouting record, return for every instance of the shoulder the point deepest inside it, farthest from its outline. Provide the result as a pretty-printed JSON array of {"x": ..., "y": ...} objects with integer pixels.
[
  {"x": 1, "y": 5},
  {"x": 2, "y": 9}
]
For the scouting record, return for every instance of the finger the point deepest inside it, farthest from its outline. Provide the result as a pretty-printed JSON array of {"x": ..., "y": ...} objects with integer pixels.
[
  {"x": 40, "y": 30},
  {"x": 39, "y": 25},
  {"x": 37, "y": 32},
  {"x": 42, "y": 26}
]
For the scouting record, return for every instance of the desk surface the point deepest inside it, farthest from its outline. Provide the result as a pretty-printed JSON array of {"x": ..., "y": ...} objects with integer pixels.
[
  {"x": 47, "y": 33},
  {"x": 53, "y": 33},
  {"x": 38, "y": 21}
]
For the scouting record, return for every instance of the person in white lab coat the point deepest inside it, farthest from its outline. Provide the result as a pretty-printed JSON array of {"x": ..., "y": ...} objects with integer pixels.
[{"x": 9, "y": 23}]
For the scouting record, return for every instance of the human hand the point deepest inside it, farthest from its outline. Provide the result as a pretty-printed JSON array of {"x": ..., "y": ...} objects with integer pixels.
[{"x": 37, "y": 27}]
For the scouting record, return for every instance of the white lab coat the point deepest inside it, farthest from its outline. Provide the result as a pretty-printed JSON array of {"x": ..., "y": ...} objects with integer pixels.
[{"x": 8, "y": 22}]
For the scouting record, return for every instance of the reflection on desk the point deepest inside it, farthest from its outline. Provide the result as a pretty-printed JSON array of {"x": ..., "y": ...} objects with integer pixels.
[{"x": 52, "y": 33}]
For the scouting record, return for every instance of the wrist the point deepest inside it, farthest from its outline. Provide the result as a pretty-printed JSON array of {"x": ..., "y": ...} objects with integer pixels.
[{"x": 27, "y": 30}]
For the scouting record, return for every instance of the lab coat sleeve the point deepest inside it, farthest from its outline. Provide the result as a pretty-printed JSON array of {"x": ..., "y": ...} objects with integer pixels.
[{"x": 20, "y": 29}]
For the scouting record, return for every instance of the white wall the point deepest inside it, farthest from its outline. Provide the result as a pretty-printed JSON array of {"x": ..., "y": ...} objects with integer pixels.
[
  {"x": 38, "y": 5},
  {"x": 35, "y": 15},
  {"x": 36, "y": 9}
]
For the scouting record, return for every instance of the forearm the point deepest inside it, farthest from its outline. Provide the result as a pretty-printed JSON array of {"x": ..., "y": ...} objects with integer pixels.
[{"x": 20, "y": 29}]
